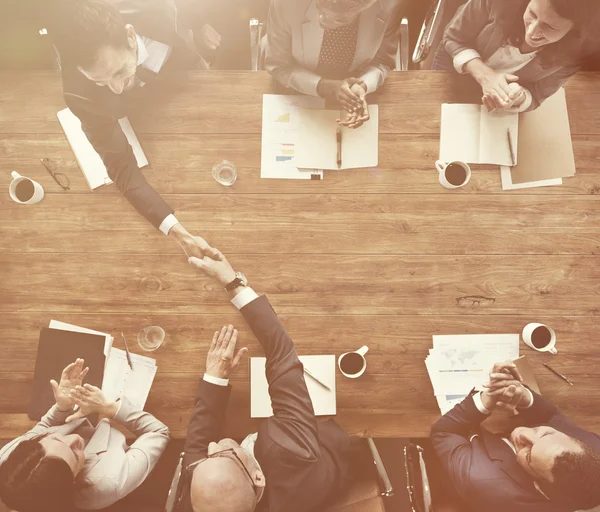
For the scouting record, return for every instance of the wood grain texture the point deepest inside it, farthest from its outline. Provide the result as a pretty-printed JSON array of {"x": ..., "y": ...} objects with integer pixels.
[{"x": 385, "y": 256}]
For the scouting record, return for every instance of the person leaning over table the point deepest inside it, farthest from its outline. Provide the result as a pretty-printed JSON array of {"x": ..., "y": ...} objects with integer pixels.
[
  {"x": 293, "y": 463},
  {"x": 114, "y": 54},
  {"x": 336, "y": 49},
  {"x": 545, "y": 464},
  {"x": 64, "y": 461},
  {"x": 519, "y": 51}
]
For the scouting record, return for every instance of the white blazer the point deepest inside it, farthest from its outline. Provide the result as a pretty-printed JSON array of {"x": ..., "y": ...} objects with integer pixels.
[
  {"x": 295, "y": 36},
  {"x": 112, "y": 468}
]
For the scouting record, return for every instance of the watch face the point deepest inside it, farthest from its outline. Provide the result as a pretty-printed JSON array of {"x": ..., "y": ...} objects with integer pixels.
[{"x": 242, "y": 278}]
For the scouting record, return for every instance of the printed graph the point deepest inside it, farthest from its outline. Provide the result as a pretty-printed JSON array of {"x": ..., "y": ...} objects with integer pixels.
[{"x": 285, "y": 153}]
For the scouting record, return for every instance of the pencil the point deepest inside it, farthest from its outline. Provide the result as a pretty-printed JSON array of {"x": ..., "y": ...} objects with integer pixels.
[
  {"x": 127, "y": 351},
  {"x": 556, "y": 373},
  {"x": 338, "y": 137},
  {"x": 513, "y": 157},
  {"x": 314, "y": 378}
]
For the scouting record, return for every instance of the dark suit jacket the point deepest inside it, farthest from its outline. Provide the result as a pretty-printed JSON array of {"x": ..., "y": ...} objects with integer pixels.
[
  {"x": 484, "y": 470},
  {"x": 305, "y": 463},
  {"x": 99, "y": 109}
]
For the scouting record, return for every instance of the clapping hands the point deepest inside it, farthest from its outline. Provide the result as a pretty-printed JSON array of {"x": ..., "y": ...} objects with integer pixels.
[{"x": 71, "y": 377}]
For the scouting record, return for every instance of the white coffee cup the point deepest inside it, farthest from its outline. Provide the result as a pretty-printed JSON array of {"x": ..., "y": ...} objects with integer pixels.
[
  {"x": 360, "y": 353},
  {"x": 441, "y": 168},
  {"x": 528, "y": 331},
  {"x": 38, "y": 191}
]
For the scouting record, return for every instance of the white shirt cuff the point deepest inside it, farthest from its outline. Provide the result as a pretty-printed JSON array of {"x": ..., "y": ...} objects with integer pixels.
[
  {"x": 463, "y": 58},
  {"x": 168, "y": 223},
  {"x": 479, "y": 404},
  {"x": 372, "y": 79},
  {"x": 245, "y": 297},
  {"x": 526, "y": 102},
  {"x": 530, "y": 401},
  {"x": 215, "y": 380}
]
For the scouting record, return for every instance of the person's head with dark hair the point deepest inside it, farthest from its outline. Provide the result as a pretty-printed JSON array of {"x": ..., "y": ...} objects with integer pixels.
[
  {"x": 555, "y": 26},
  {"x": 39, "y": 474},
  {"x": 564, "y": 469},
  {"x": 92, "y": 35}
]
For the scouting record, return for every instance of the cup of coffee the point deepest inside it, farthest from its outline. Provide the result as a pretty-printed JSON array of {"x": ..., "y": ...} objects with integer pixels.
[
  {"x": 540, "y": 337},
  {"x": 353, "y": 364},
  {"x": 453, "y": 174},
  {"x": 24, "y": 190}
]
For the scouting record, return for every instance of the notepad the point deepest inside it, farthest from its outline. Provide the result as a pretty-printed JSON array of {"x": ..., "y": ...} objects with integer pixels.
[
  {"x": 89, "y": 160},
  {"x": 120, "y": 380},
  {"x": 317, "y": 140},
  {"x": 473, "y": 135},
  {"x": 55, "y": 324},
  {"x": 323, "y": 400}
]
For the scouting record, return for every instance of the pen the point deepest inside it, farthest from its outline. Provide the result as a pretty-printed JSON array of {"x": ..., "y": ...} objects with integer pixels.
[
  {"x": 556, "y": 373},
  {"x": 127, "y": 351},
  {"x": 513, "y": 157},
  {"x": 314, "y": 378},
  {"x": 338, "y": 136}
]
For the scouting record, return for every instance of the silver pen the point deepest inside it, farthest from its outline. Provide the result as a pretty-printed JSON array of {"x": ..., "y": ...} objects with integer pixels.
[
  {"x": 316, "y": 379},
  {"x": 127, "y": 351}
]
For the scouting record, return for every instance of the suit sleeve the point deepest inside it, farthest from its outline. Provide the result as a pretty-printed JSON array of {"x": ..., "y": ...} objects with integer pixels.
[
  {"x": 141, "y": 457},
  {"x": 207, "y": 420},
  {"x": 294, "y": 418},
  {"x": 450, "y": 439},
  {"x": 385, "y": 59},
  {"x": 279, "y": 60},
  {"x": 109, "y": 141},
  {"x": 546, "y": 87}
]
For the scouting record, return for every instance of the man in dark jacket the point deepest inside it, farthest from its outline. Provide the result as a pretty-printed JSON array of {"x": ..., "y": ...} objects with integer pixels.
[
  {"x": 293, "y": 463},
  {"x": 546, "y": 463}
]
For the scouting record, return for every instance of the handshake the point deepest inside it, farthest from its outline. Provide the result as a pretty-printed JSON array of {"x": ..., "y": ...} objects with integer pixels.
[{"x": 505, "y": 389}]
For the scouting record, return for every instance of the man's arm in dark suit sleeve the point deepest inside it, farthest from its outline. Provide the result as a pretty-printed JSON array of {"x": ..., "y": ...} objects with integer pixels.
[
  {"x": 450, "y": 439},
  {"x": 109, "y": 141},
  {"x": 207, "y": 419},
  {"x": 294, "y": 416}
]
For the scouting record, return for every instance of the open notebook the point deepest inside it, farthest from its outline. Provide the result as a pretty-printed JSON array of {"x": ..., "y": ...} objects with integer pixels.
[
  {"x": 119, "y": 380},
  {"x": 323, "y": 400},
  {"x": 89, "y": 160},
  {"x": 317, "y": 140},
  {"x": 473, "y": 135}
]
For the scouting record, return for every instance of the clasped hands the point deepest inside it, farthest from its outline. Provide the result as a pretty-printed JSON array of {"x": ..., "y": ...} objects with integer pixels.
[
  {"x": 505, "y": 389},
  {"x": 501, "y": 91},
  {"x": 71, "y": 392},
  {"x": 351, "y": 94}
]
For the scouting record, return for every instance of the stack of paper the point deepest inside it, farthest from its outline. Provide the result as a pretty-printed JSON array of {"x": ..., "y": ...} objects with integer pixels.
[
  {"x": 119, "y": 379},
  {"x": 280, "y": 124},
  {"x": 323, "y": 400},
  {"x": 459, "y": 363}
]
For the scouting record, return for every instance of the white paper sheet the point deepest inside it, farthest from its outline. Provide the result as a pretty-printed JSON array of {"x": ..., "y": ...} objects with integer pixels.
[
  {"x": 507, "y": 183},
  {"x": 120, "y": 380},
  {"x": 323, "y": 400},
  {"x": 88, "y": 159},
  {"x": 279, "y": 135}
]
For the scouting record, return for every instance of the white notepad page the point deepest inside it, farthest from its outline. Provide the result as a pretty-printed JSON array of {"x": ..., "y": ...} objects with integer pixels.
[
  {"x": 120, "y": 380},
  {"x": 323, "y": 400},
  {"x": 471, "y": 134},
  {"x": 89, "y": 160}
]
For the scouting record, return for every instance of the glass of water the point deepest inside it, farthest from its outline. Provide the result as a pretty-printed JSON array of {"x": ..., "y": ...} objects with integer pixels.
[
  {"x": 150, "y": 338},
  {"x": 225, "y": 173}
]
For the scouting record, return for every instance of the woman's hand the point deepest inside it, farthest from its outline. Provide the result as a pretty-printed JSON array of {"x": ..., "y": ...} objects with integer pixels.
[
  {"x": 91, "y": 399},
  {"x": 71, "y": 377},
  {"x": 499, "y": 90}
]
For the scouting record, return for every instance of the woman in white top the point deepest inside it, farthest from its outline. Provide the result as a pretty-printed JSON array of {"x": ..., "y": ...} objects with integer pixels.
[{"x": 519, "y": 51}]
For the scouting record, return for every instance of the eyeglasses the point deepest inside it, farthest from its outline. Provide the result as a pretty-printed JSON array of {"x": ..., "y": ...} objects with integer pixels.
[
  {"x": 51, "y": 166},
  {"x": 228, "y": 453}
]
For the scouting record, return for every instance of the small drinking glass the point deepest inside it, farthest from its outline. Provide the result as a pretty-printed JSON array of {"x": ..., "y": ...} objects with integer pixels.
[
  {"x": 225, "y": 173},
  {"x": 150, "y": 338}
]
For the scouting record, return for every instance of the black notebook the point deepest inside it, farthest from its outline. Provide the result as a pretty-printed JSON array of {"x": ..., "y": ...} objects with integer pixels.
[{"x": 56, "y": 350}]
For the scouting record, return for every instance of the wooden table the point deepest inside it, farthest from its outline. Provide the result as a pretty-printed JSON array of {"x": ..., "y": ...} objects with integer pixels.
[{"x": 378, "y": 257}]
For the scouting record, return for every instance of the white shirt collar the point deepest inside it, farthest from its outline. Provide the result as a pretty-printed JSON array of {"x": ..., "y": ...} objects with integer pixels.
[{"x": 142, "y": 51}]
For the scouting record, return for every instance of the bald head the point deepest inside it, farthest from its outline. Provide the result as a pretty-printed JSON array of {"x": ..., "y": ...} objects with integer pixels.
[{"x": 220, "y": 485}]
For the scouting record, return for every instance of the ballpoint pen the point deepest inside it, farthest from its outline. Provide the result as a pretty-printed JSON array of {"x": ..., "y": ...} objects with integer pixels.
[
  {"x": 338, "y": 137},
  {"x": 317, "y": 380},
  {"x": 558, "y": 374},
  {"x": 513, "y": 157},
  {"x": 127, "y": 351}
]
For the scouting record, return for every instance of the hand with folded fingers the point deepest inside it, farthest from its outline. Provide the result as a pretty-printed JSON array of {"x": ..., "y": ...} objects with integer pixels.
[{"x": 506, "y": 389}]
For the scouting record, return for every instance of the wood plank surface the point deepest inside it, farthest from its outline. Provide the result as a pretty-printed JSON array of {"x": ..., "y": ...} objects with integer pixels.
[{"x": 384, "y": 256}]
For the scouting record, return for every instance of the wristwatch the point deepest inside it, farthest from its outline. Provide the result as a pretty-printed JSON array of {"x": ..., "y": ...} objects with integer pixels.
[{"x": 240, "y": 280}]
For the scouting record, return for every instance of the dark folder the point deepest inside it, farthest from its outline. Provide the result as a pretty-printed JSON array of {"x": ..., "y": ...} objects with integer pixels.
[{"x": 56, "y": 350}]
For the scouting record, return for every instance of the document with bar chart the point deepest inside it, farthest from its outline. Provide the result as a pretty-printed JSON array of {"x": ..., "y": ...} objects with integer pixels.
[{"x": 280, "y": 126}]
